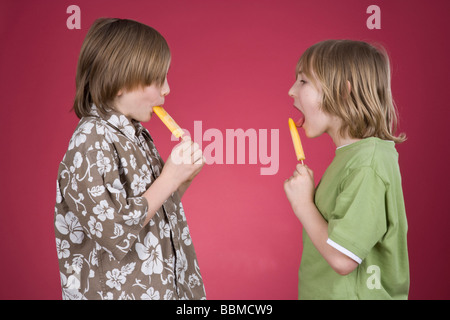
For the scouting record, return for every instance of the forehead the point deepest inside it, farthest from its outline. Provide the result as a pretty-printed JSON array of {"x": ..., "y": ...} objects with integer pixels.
[
  {"x": 302, "y": 69},
  {"x": 302, "y": 74}
]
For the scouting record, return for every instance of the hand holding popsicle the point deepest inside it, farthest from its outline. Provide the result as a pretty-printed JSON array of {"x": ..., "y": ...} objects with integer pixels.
[
  {"x": 186, "y": 159},
  {"x": 296, "y": 140},
  {"x": 299, "y": 188}
]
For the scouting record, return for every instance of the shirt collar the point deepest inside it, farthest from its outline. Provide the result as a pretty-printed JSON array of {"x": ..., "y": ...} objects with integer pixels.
[{"x": 129, "y": 127}]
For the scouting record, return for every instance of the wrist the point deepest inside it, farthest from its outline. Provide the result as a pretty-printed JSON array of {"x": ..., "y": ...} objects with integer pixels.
[
  {"x": 169, "y": 182},
  {"x": 303, "y": 209}
]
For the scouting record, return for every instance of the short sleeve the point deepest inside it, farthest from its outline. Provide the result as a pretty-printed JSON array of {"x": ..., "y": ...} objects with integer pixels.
[
  {"x": 359, "y": 219},
  {"x": 93, "y": 192}
]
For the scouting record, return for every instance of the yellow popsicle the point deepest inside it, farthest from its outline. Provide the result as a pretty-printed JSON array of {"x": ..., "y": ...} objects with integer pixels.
[
  {"x": 168, "y": 121},
  {"x": 296, "y": 140}
]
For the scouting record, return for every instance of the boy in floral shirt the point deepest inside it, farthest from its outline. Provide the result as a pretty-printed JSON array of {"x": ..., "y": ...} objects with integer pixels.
[{"x": 121, "y": 231}]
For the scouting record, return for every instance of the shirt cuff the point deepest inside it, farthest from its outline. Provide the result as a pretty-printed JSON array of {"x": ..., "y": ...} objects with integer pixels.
[{"x": 348, "y": 253}]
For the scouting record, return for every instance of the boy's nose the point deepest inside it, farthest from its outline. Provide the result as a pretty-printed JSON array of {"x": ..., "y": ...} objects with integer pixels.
[
  {"x": 165, "y": 90},
  {"x": 291, "y": 92}
]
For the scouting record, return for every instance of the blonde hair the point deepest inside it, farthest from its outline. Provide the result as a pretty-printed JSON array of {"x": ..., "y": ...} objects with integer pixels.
[
  {"x": 118, "y": 54},
  {"x": 368, "y": 109}
]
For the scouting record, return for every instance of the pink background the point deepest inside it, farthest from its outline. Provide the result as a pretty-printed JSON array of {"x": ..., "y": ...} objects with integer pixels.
[{"x": 233, "y": 63}]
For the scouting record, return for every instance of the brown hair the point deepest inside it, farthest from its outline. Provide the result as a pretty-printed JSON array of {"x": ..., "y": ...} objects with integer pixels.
[
  {"x": 368, "y": 110},
  {"x": 118, "y": 54}
]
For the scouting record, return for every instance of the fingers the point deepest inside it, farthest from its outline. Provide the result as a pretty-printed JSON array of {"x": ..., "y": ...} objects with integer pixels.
[
  {"x": 200, "y": 161},
  {"x": 303, "y": 169},
  {"x": 197, "y": 157},
  {"x": 188, "y": 145},
  {"x": 190, "y": 152},
  {"x": 300, "y": 168}
]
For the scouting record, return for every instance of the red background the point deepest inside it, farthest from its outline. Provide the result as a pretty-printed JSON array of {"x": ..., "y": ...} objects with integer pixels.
[{"x": 233, "y": 63}]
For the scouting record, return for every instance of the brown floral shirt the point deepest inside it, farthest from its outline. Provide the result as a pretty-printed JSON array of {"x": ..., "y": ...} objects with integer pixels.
[{"x": 104, "y": 250}]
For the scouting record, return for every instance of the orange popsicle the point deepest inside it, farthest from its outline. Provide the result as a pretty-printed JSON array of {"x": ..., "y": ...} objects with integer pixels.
[
  {"x": 296, "y": 140},
  {"x": 168, "y": 121}
]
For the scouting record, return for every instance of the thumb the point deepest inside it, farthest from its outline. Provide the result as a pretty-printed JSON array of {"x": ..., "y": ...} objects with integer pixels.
[
  {"x": 186, "y": 138},
  {"x": 301, "y": 168}
]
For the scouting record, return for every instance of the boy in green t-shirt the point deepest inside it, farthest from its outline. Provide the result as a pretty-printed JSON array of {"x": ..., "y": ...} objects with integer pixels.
[{"x": 354, "y": 244}]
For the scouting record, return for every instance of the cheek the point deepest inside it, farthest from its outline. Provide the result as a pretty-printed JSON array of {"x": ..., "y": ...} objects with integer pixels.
[
  {"x": 309, "y": 104},
  {"x": 315, "y": 97},
  {"x": 316, "y": 122},
  {"x": 152, "y": 93}
]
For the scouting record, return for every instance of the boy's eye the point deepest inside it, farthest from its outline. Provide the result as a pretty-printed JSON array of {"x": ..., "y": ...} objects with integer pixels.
[{"x": 302, "y": 81}]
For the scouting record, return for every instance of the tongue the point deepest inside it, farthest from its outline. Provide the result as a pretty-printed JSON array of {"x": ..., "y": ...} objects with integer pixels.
[{"x": 300, "y": 121}]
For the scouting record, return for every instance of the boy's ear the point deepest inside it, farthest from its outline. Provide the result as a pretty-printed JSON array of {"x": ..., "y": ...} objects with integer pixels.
[{"x": 349, "y": 86}]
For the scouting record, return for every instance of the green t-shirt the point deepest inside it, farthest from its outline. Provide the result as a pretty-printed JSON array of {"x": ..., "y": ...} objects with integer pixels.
[{"x": 360, "y": 196}]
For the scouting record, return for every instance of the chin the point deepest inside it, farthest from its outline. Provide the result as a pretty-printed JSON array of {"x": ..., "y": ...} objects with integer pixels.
[
  {"x": 146, "y": 117},
  {"x": 306, "y": 132},
  {"x": 310, "y": 134}
]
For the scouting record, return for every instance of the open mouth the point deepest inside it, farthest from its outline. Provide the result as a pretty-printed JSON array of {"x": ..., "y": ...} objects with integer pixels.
[{"x": 299, "y": 122}]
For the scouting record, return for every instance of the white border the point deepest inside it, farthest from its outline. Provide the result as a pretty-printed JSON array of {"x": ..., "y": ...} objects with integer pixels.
[{"x": 344, "y": 251}]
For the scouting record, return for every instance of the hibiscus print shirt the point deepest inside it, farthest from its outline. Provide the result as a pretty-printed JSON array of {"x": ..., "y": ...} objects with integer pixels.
[{"x": 104, "y": 250}]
